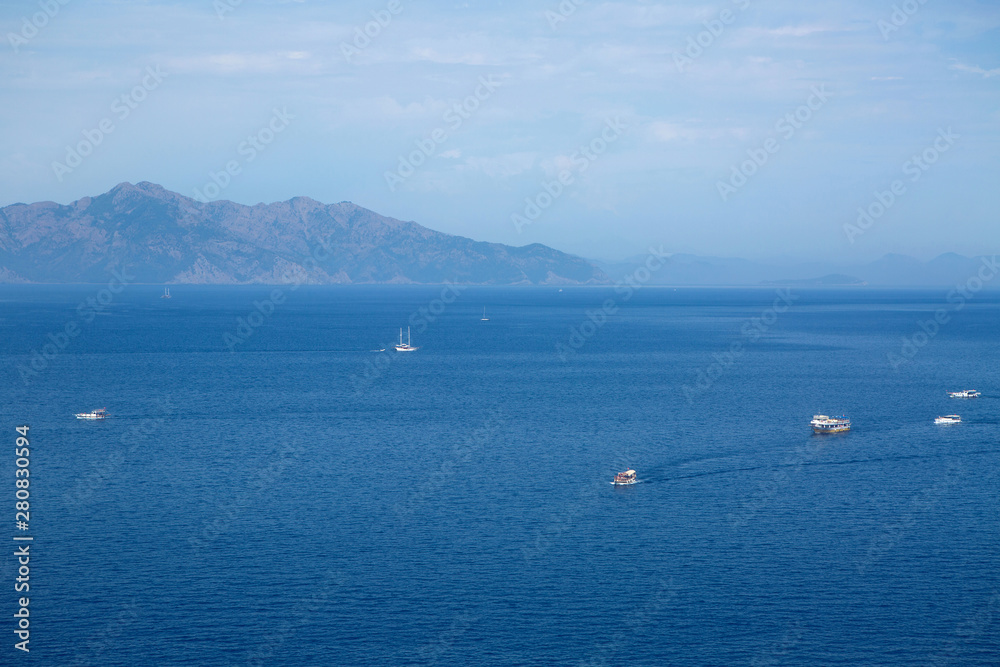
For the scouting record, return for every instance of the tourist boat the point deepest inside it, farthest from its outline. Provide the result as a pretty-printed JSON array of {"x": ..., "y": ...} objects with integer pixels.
[
  {"x": 166, "y": 293},
  {"x": 624, "y": 478},
  {"x": 965, "y": 393},
  {"x": 948, "y": 419},
  {"x": 100, "y": 413},
  {"x": 824, "y": 424},
  {"x": 484, "y": 318},
  {"x": 405, "y": 347}
]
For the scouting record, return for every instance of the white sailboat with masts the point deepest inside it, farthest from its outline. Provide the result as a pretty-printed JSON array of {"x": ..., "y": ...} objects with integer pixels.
[
  {"x": 484, "y": 318},
  {"x": 405, "y": 347}
]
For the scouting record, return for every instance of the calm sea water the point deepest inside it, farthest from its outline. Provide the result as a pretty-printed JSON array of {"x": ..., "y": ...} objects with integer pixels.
[{"x": 305, "y": 500}]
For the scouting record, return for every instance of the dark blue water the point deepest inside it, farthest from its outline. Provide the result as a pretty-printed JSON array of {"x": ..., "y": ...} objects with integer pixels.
[{"x": 304, "y": 500}]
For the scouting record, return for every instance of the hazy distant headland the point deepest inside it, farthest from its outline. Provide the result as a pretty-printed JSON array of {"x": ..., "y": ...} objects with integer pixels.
[{"x": 891, "y": 270}]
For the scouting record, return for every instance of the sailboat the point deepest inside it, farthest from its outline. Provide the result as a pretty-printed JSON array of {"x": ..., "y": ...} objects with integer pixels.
[
  {"x": 166, "y": 293},
  {"x": 405, "y": 347},
  {"x": 484, "y": 318}
]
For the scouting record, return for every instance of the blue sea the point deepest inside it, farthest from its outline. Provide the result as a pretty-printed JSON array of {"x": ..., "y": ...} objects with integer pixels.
[{"x": 273, "y": 490}]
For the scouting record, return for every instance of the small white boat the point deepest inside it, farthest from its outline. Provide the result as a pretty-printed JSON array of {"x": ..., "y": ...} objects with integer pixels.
[
  {"x": 624, "y": 478},
  {"x": 965, "y": 393},
  {"x": 405, "y": 347},
  {"x": 825, "y": 424},
  {"x": 100, "y": 413},
  {"x": 166, "y": 293},
  {"x": 484, "y": 318},
  {"x": 948, "y": 419}
]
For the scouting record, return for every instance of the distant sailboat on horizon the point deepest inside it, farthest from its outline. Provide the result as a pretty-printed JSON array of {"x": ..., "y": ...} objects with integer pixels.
[
  {"x": 484, "y": 318},
  {"x": 405, "y": 347},
  {"x": 166, "y": 293}
]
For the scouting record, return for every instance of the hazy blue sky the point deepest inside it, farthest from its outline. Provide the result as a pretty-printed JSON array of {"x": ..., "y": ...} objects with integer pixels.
[{"x": 888, "y": 84}]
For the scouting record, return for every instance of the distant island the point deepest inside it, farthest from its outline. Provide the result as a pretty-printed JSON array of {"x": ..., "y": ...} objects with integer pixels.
[
  {"x": 164, "y": 237},
  {"x": 830, "y": 280},
  {"x": 892, "y": 270}
]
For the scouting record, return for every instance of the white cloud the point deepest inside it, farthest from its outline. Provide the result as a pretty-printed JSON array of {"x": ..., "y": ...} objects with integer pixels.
[
  {"x": 501, "y": 166},
  {"x": 615, "y": 15},
  {"x": 444, "y": 58},
  {"x": 664, "y": 131},
  {"x": 237, "y": 63},
  {"x": 975, "y": 69},
  {"x": 790, "y": 31},
  {"x": 385, "y": 108}
]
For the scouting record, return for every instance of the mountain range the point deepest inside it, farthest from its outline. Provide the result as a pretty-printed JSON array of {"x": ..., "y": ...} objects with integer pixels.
[
  {"x": 163, "y": 237},
  {"x": 160, "y": 237}
]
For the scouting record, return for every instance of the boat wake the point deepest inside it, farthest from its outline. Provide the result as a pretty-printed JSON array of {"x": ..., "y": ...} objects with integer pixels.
[{"x": 729, "y": 471}]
